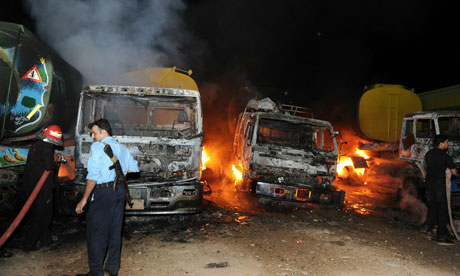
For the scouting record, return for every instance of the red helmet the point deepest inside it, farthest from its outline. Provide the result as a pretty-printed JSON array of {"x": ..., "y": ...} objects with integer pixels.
[{"x": 52, "y": 134}]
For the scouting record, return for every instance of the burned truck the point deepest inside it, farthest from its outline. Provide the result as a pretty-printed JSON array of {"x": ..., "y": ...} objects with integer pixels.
[
  {"x": 285, "y": 155},
  {"x": 162, "y": 129},
  {"x": 417, "y": 133}
]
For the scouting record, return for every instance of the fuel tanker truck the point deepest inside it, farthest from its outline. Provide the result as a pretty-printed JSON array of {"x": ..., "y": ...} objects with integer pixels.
[
  {"x": 402, "y": 125},
  {"x": 157, "y": 115}
]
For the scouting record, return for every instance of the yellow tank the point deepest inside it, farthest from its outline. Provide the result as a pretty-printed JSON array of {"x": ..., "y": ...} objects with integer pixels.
[
  {"x": 381, "y": 109},
  {"x": 162, "y": 77}
]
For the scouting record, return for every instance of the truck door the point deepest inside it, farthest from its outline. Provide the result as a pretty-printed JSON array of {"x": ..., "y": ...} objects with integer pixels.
[
  {"x": 424, "y": 133},
  {"x": 247, "y": 144}
]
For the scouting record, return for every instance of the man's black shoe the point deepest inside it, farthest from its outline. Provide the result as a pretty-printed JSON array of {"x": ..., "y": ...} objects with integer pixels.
[
  {"x": 444, "y": 241},
  {"x": 116, "y": 274},
  {"x": 82, "y": 274}
]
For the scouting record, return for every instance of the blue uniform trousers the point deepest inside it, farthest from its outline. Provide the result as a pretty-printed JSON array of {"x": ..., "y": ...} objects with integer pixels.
[{"x": 103, "y": 231}]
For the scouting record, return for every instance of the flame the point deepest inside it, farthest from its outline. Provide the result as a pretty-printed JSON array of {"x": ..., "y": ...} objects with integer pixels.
[
  {"x": 343, "y": 162},
  {"x": 204, "y": 159},
  {"x": 360, "y": 209},
  {"x": 346, "y": 161},
  {"x": 237, "y": 175},
  {"x": 361, "y": 153}
]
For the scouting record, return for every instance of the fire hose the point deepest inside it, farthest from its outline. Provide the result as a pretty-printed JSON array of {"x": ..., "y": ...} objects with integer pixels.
[
  {"x": 25, "y": 208},
  {"x": 448, "y": 193}
]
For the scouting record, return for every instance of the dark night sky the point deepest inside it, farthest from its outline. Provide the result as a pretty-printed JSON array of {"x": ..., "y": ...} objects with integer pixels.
[{"x": 321, "y": 52}]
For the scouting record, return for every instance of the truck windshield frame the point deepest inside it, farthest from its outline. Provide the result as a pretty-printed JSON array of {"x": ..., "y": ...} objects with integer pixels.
[
  {"x": 133, "y": 115},
  {"x": 284, "y": 133},
  {"x": 449, "y": 126}
]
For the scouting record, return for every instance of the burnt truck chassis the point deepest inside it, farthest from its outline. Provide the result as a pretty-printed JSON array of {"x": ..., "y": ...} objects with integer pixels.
[
  {"x": 282, "y": 174},
  {"x": 166, "y": 145},
  {"x": 417, "y": 133}
]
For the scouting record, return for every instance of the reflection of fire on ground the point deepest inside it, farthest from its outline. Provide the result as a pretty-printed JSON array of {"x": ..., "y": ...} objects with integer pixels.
[
  {"x": 219, "y": 174},
  {"x": 371, "y": 183}
]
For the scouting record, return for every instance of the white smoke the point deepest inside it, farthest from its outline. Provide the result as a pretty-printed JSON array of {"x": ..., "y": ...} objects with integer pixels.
[{"x": 104, "y": 38}]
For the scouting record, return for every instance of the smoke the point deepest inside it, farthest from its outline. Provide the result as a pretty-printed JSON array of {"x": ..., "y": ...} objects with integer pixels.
[
  {"x": 104, "y": 39},
  {"x": 414, "y": 206}
]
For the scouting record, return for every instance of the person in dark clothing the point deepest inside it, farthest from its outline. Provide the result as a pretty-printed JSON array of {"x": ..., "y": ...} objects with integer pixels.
[
  {"x": 40, "y": 158},
  {"x": 437, "y": 161}
]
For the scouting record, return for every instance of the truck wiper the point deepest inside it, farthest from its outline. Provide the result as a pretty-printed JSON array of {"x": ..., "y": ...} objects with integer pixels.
[{"x": 195, "y": 136}]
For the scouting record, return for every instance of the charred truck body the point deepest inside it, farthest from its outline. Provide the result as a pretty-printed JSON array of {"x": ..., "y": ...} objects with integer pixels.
[
  {"x": 285, "y": 156},
  {"x": 418, "y": 131},
  {"x": 162, "y": 129}
]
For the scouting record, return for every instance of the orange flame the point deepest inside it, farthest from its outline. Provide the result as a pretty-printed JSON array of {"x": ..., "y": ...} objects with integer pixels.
[
  {"x": 237, "y": 175},
  {"x": 346, "y": 161},
  {"x": 343, "y": 162},
  {"x": 361, "y": 153},
  {"x": 204, "y": 159}
]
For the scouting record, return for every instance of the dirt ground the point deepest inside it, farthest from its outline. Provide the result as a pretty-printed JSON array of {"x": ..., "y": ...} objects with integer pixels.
[{"x": 235, "y": 235}]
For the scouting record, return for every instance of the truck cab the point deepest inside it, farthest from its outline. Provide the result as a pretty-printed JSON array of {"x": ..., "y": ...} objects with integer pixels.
[
  {"x": 284, "y": 155},
  {"x": 162, "y": 129},
  {"x": 417, "y": 133}
]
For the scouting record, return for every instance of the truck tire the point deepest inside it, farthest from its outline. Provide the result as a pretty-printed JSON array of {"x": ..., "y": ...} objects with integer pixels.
[{"x": 412, "y": 186}]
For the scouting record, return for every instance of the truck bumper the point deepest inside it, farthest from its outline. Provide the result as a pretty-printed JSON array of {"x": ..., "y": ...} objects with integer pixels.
[
  {"x": 287, "y": 192},
  {"x": 166, "y": 199}
]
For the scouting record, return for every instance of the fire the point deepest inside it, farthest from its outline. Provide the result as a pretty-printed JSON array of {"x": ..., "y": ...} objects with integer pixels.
[
  {"x": 237, "y": 175},
  {"x": 343, "y": 162},
  {"x": 346, "y": 161},
  {"x": 361, "y": 153},
  {"x": 204, "y": 159}
]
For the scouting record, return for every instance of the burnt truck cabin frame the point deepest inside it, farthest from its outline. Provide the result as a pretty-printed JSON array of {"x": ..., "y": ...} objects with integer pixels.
[
  {"x": 167, "y": 148},
  {"x": 286, "y": 158},
  {"x": 417, "y": 133}
]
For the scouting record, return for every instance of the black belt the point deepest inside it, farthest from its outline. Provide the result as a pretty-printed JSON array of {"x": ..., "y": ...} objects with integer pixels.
[{"x": 104, "y": 185}]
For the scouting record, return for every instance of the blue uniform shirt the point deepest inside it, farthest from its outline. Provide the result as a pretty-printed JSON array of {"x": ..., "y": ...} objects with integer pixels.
[{"x": 99, "y": 162}]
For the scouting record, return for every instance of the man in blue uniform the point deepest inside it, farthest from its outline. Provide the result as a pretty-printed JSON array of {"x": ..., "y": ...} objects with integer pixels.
[{"x": 105, "y": 215}]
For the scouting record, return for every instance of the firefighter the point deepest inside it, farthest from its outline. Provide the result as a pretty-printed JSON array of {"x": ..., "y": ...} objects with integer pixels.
[
  {"x": 105, "y": 215},
  {"x": 40, "y": 158},
  {"x": 437, "y": 161}
]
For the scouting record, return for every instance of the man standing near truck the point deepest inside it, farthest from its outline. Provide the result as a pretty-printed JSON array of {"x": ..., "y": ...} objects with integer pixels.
[
  {"x": 105, "y": 215},
  {"x": 437, "y": 161},
  {"x": 41, "y": 158}
]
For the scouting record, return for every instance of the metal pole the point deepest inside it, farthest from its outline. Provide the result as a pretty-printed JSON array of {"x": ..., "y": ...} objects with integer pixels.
[{"x": 20, "y": 31}]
